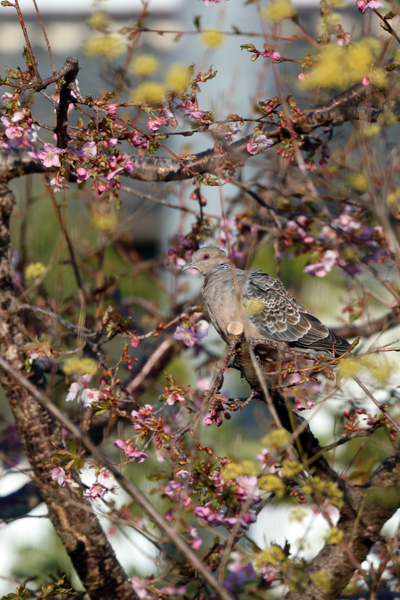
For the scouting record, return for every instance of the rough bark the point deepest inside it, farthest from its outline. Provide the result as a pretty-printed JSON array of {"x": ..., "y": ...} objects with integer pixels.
[
  {"x": 72, "y": 516},
  {"x": 365, "y": 509}
]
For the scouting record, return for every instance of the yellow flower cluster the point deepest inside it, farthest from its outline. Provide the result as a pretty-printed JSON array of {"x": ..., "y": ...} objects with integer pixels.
[
  {"x": 340, "y": 66},
  {"x": 297, "y": 515},
  {"x": 276, "y": 439},
  {"x": 148, "y": 91},
  {"x": 178, "y": 77},
  {"x": 106, "y": 223},
  {"x": 80, "y": 366},
  {"x": 326, "y": 489},
  {"x": 393, "y": 199},
  {"x": 212, "y": 39},
  {"x": 322, "y": 580},
  {"x": 232, "y": 470},
  {"x": 380, "y": 367},
  {"x": 34, "y": 271},
  {"x": 272, "y": 555},
  {"x": 104, "y": 45},
  {"x": 334, "y": 536},
  {"x": 279, "y": 10},
  {"x": 99, "y": 20},
  {"x": 272, "y": 483},
  {"x": 144, "y": 65},
  {"x": 358, "y": 181},
  {"x": 291, "y": 468}
]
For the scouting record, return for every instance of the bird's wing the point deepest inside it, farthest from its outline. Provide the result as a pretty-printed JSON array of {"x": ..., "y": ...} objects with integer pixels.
[{"x": 280, "y": 317}]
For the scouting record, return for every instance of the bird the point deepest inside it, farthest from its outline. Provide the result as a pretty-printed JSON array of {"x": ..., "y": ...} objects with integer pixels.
[{"x": 272, "y": 313}]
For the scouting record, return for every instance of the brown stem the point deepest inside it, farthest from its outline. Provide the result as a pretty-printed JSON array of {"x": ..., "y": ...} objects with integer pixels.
[{"x": 45, "y": 36}]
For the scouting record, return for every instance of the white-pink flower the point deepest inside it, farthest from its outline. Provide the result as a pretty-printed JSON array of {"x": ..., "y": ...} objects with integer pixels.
[
  {"x": 259, "y": 144},
  {"x": 73, "y": 391},
  {"x": 174, "y": 397},
  {"x": 89, "y": 396},
  {"x": 50, "y": 155},
  {"x": 321, "y": 268}
]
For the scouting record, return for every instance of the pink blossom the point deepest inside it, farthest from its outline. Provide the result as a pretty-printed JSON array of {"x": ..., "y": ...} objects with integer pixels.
[
  {"x": 203, "y": 384},
  {"x": 89, "y": 396},
  {"x": 343, "y": 39},
  {"x": 129, "y": 167},
  {"x": 191, "y": 334},
  {"x": 321, "y": 268},
  {"x": 190, "y": 109},
  {"x": 139, "y": 142},
  {"x": 275, "y": 56},
  {"x": 62, "y": 477},
  {"x": 209, "y": 515},
  {"x": 248, "y": 486},
  {"x": 227, "y": 133},
  {"x": 18, "y": 116},
  {"x": 367, "y": 6},
  {"x": 88, "y": 150},
  {"x": 259, "y": 144},
  {"x": 365, "y": 81},
  {"x": 106, "y": 479},
  {"x": 12, "y": 131},
  {"x": 50, "y": 156},
  {"x": 228, "y": 231},
  {"x": 264, "y": 457},
  {"x": 74, "y": 388},
  {"x": 155, "y": 124},
  {"x": 112, "y": 109},
  {"x": 83, "y": 174},
  {"x": 196, "y": 542},
  {"x": 174, "y": 397},
  {"x": 131, "y": 451},
  {"x": 58, "y": 474},
  {"x": 138, "y": 585},
  {"x": 55, "y": 183},
  {"x": 95, "y": 492}
]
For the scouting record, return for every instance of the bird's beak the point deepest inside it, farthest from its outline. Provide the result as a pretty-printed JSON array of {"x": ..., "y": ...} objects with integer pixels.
[{"x": 189, "y": 266}]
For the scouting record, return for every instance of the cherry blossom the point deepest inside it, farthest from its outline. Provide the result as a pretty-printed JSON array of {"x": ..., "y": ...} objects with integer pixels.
[
  {"x": 174, "y": 397},
  {"x": 89, "y": 396},
  {"x": 58, "y": 474},
  {"x": 131, "y": 451},
  {"x": 321, "y": 268},
  {"x": 196, "y": 541},
  {"x": 367, "y": 6},
  {"x": 190, "y": 334},
  {"x": 259, "y": 144},
  {"x": 50, "y": 156},
  {"x": 83, "y": 174},
  {"x": 155, "y": 124}
]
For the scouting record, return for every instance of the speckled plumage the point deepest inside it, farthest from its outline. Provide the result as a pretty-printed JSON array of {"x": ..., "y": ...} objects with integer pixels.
[{"x": 271, "y": 310}]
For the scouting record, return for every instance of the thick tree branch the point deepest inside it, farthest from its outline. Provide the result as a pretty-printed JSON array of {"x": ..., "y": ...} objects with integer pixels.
[
  {"x": 339, "y": 110},
  {"x": 79, "y": 529},
  {"x": 127, "y": 485}
]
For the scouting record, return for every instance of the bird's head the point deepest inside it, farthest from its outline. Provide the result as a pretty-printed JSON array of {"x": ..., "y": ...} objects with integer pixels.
[{"x": 207, "y": 258}]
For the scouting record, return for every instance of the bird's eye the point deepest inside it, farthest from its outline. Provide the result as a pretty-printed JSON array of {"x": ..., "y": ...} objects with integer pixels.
[{"x": 206, "y": 256}]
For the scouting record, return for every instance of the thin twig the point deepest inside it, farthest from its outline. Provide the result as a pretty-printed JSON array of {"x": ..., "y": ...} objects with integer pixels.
[{"x": 45, "y": 36}]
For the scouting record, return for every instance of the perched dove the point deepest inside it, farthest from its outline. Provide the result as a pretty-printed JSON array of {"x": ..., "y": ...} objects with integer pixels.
[{"x": 272, "y": 313}]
